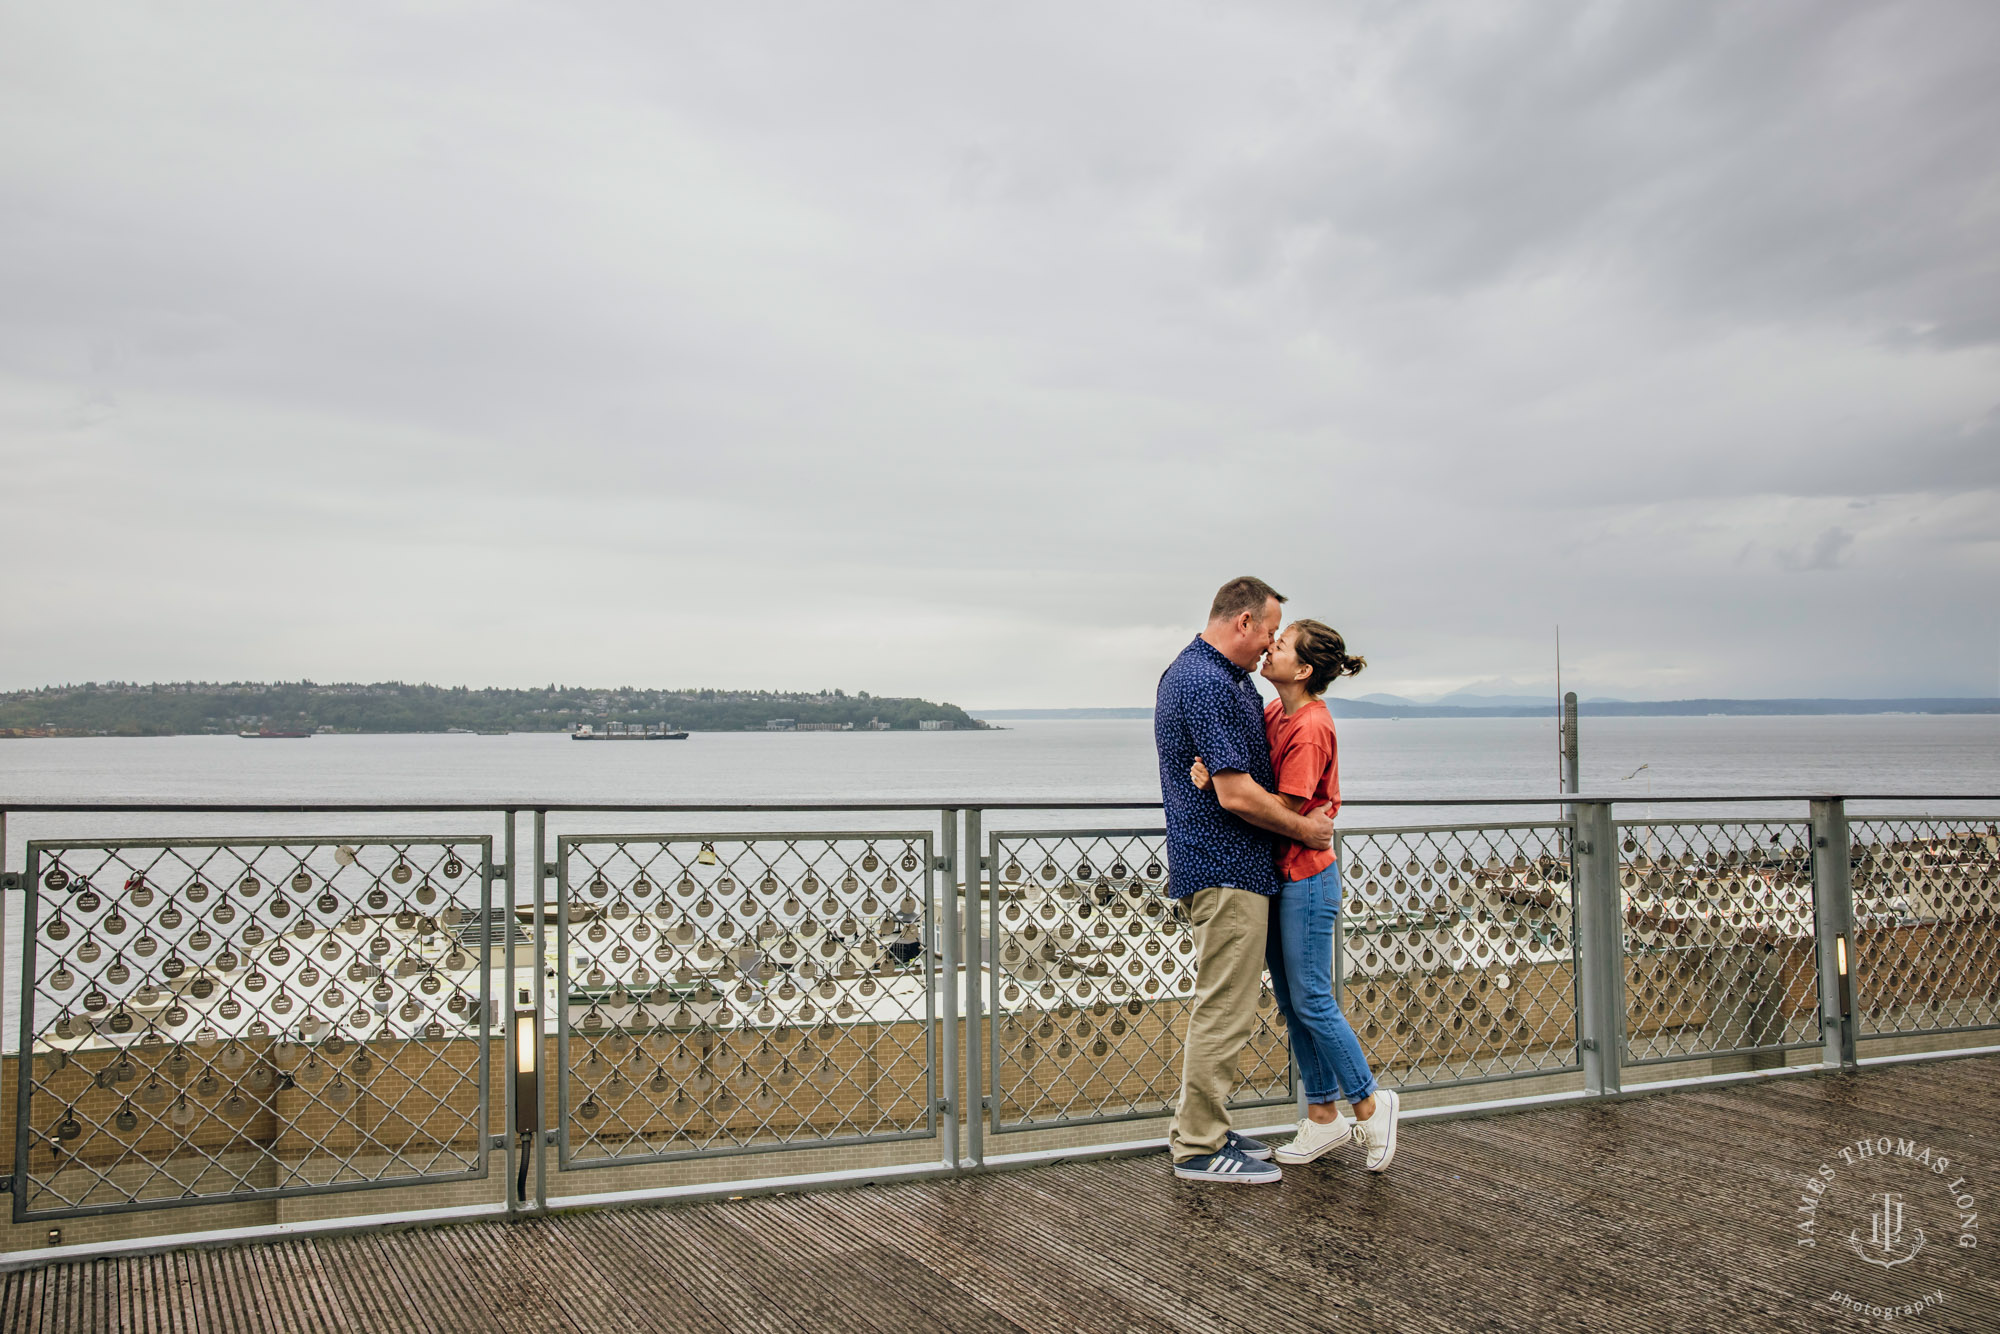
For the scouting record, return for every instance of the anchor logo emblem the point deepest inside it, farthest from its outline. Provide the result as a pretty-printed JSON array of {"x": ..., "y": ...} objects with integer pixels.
[{"x": 1886, "y": 1235}]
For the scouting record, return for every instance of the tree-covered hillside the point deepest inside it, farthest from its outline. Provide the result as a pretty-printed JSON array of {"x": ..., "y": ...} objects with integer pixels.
[{"x": 124, "y": 709}]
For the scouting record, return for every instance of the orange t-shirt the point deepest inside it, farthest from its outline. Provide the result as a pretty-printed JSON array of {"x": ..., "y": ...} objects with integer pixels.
[{"x": 1306, "y": 760}]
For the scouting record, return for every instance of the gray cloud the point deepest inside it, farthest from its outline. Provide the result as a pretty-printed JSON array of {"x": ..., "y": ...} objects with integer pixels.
[
  {"x": 912, "y": 349},
  {"x": 1825, "y": 552}
]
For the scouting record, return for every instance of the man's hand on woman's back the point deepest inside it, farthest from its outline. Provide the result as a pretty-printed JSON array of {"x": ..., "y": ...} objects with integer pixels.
[
  {"x": 1322, "y": 831},
  {"x": 1248, "y": 800}
]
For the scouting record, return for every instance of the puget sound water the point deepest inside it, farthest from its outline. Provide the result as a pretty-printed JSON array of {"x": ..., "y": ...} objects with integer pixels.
[
  {"x": 1053, "y": 760},
  {"x": 1028, "y": 761}
]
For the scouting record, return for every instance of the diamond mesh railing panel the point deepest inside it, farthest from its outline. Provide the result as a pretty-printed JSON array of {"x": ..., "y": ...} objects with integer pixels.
[
  {"x": 1718, "y": 932},
  {"x": 741, "y": 993},
  {"x": 1090, "y": 975},
  {"x": 1926, "y": 924},
  {"x": 207, "y": 1021},
  {"x": 1458, "y": 952}
]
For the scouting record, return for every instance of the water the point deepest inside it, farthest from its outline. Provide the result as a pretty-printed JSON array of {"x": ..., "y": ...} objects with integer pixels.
[
  {"x": 1052, "y": 761},
  {"x": 1030, "y": 761}
]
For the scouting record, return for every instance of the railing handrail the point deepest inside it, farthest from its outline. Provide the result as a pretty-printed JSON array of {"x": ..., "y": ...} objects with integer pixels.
[
  {"x": 1853, "y": 947},
  {"x": 510, "y": 805}
]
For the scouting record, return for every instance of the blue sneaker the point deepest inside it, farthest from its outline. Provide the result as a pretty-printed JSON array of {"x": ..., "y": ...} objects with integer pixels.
[
  {"x": 1249, "y": 1148},
  {"x": 1228, "y": 1165}
]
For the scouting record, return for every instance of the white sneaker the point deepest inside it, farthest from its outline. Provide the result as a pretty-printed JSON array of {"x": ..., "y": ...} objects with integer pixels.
[
  {"x": 1378, "y": 1133},
  {"x": 1314, "y": 1139}
]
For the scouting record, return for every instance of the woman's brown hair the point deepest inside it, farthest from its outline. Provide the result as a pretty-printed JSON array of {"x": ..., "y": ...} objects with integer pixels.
[{"x": 1321, "y": 648}]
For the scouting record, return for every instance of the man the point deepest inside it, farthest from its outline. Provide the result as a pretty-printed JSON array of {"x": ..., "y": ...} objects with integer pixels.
[{"x": 1222, "y": 864}]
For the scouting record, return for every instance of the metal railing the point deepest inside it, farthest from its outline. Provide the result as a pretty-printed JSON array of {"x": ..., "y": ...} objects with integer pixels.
[
  {"x": 235, "y": 1019},
  {"x": 1926, "y": 909},
  {"x": 1456, "y": 957},
  {"x": 1090, "y": 974},
  {"x": 730, "y": 995},
  {"x": 207, "y": 1020},
  {"x": 1721, "y": 956}
]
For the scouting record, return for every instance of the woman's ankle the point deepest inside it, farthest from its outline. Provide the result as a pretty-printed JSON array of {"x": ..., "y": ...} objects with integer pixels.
[
  {"x": 1365, "y": 1108},
  {"x": 1323, "y": 1113}
]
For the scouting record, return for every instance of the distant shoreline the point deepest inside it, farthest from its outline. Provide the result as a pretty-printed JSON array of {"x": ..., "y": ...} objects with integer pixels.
[
  {"x": 185, "y": 708},
  {"x": 1677, "y": 708}
]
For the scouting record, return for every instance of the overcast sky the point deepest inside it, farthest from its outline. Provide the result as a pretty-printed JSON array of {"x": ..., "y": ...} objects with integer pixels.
[{"x": 962, "y": 350}]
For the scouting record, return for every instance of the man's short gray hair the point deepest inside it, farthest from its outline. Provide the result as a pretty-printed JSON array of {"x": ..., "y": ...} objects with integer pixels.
[{"x": 1244, "y": 593}]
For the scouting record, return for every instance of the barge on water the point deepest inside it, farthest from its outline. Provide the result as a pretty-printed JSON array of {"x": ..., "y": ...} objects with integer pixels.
[{"x": 620, "y": 732}]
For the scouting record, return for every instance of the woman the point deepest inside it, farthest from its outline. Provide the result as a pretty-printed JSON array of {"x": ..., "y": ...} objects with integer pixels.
[{"x": 1306, "y": 659}]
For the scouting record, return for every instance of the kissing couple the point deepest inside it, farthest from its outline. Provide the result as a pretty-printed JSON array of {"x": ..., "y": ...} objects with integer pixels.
[{"x": 1250, "y": 791}]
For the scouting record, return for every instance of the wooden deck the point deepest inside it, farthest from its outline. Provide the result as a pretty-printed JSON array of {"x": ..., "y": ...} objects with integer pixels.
[{"x": 1668, "y": 1212}]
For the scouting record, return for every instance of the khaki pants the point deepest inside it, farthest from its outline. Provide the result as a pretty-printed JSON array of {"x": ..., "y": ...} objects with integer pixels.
[{"x": 1229, "y": 930}]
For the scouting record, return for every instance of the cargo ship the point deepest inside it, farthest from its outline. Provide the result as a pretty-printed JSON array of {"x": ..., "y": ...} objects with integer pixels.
[
  {"x": 273, "y": 734},
  {"x": 620, "y": 732}
]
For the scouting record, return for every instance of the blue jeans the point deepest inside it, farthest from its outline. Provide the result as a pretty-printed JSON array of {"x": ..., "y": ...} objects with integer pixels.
[{"x": 1299, "y": 953}]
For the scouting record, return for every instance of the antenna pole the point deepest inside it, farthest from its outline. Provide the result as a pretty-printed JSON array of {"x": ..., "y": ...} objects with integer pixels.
[{"x": 1562, "y": 743}]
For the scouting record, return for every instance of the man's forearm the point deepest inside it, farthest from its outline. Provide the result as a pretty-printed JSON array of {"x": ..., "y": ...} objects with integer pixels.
[{"x": 1250, "y": 802}]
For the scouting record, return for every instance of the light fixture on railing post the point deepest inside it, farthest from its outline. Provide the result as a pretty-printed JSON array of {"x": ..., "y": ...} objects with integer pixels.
[
  {"x": 1846, "y": 981},
  {"x": 527, "y": 1059},
  {"x": 1833, "y": 927}
]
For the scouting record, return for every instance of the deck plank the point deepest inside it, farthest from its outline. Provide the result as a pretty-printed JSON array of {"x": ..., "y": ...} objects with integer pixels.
[{"x": 1668, "y": 1212}]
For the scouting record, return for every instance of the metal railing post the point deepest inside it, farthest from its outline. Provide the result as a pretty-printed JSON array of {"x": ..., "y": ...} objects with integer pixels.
[
  {"x": 542, "y": 1136},
  {"x": 974, "y": 865},
  {"x": 1571, "y": 771},
  {"x": 1833, "y": 928},
  {"x": 1600, "y": 948},
  {"x": 510, "y": 1005},
  {"x": 24, "y": 1060},
  {"x": 947, "y": 1105}
]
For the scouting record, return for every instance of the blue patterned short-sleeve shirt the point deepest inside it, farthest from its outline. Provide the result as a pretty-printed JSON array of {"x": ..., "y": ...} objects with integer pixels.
[{"x": 1208, "y": 706}]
